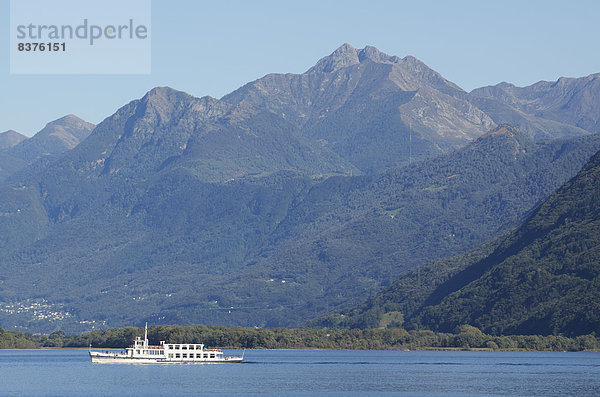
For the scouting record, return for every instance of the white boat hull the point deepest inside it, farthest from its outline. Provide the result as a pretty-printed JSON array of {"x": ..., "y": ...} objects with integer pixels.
[{"x": 116, "y": 358}]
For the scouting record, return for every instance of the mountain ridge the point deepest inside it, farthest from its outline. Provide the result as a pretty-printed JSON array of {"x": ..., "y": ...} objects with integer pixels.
[{"x": 572, "y": 101}]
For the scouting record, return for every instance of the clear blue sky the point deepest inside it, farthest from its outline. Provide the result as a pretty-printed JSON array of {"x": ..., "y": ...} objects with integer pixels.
[{"x": 212, "y": 48}]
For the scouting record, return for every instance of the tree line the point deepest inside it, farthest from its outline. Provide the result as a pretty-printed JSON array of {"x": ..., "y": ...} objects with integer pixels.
[{"x": 464, "y": 337}]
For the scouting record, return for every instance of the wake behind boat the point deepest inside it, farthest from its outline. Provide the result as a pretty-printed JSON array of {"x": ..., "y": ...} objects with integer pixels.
[{"x": 167, "y": 353}]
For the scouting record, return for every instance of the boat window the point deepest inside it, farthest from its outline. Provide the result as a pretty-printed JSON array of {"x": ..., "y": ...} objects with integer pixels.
[
  {"x": 205, "y": 355},
  {"x": 176, "y": 347},
  {"x": 184, "y": 347},
  {"x": 212, "y": 356},
  {"x": 184, "y": 355},
  {"x": 170, "y": 355},
  {"x": 177, "y": 355}
]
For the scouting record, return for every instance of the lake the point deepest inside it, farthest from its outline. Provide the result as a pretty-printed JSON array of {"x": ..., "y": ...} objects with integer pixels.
[{"x": 308, "y": 372}]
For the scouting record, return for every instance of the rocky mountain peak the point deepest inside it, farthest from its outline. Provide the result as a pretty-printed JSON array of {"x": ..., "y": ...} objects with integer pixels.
[
  {"x": 162, "y": 92},
  {"x": 10, "y": 138},
  {"x": 504, "y": 84},
  {"x": 70, "y": 121},
  {"x": 70, "y": 129},
  {"x": 373, "y": 54},
  {"x": 160, "y": 97},
  {"x": 344, "y": 56},
  {"x": 162, "y": 104}
]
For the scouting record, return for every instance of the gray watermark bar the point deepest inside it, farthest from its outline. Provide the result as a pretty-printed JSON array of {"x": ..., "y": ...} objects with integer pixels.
[{"x": 80, "y": 37}]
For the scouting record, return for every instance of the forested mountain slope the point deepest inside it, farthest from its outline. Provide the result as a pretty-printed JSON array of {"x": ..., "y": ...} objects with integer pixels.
[{"x": 541, "y": 279}]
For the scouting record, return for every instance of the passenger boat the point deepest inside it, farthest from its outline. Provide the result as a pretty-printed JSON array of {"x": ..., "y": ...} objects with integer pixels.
[{"x": 167, "y": 353}]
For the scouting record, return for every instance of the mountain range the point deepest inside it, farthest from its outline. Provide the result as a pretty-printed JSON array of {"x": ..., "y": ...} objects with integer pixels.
[{"x": 290, "y": 197}]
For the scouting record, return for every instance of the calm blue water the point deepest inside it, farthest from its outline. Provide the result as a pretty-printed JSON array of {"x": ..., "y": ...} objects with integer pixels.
[{"x": 313, "y": 372}]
